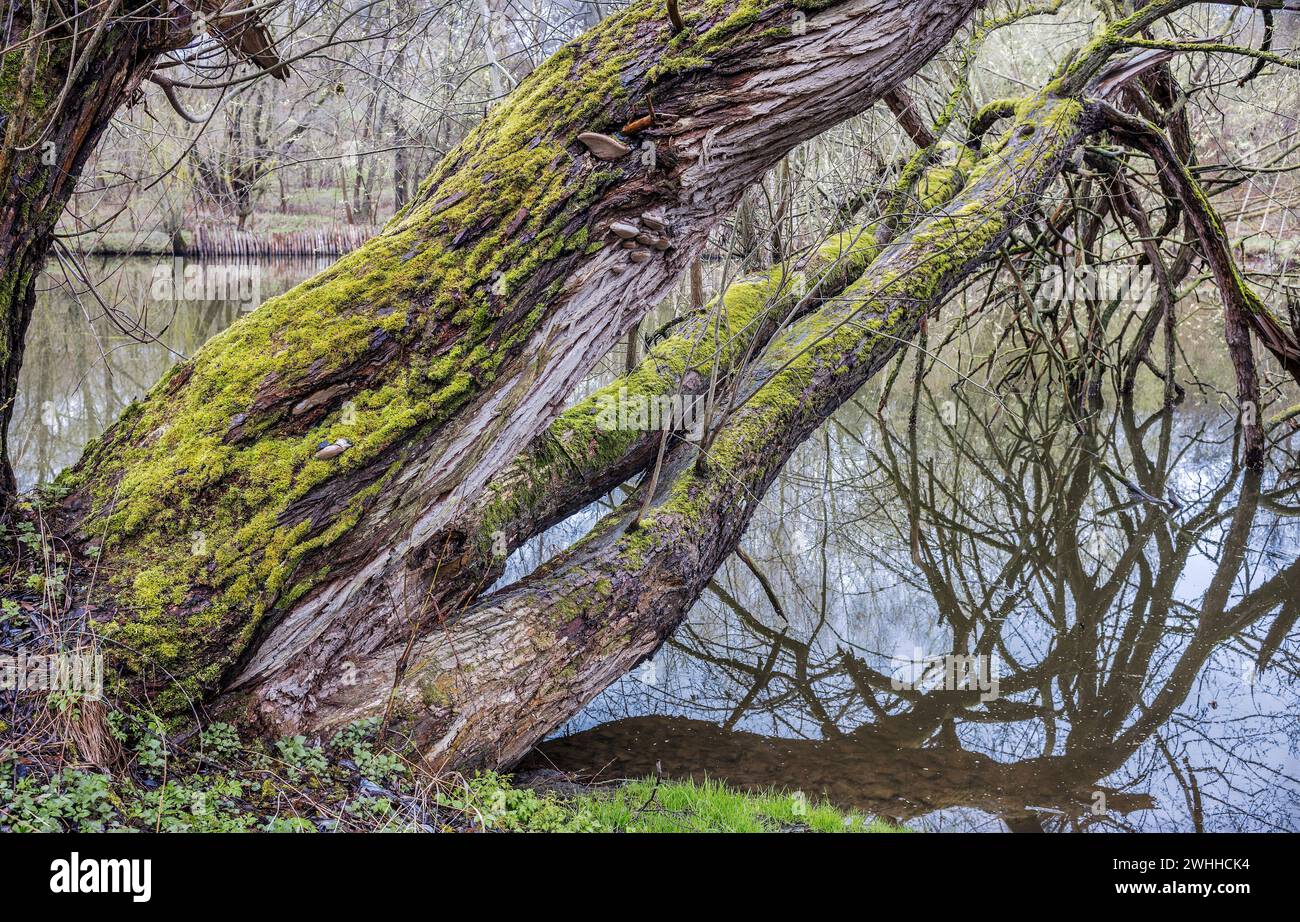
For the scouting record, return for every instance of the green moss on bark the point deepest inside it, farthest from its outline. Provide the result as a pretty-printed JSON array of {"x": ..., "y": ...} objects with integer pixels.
[
  {"x": 870, "y": 319},
  {"x": 191, "y": 521}
]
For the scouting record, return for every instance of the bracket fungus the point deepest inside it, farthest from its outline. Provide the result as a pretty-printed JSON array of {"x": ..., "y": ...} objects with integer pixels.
[
  {"x": 641, "y": 236},
  {"x": 327, "y": 450},
  {"x": 604, "y": 147}
]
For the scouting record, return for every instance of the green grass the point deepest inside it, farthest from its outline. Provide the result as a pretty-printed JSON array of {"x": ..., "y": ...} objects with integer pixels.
[
  {"x": 353, "y": 783},
  {"x": 711, "y": 806}
]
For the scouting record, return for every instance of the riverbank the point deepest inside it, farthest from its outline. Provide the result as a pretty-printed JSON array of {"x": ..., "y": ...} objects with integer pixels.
[
  {"x": 203, "y": 241},
  {"x": 351, "y": 784}
]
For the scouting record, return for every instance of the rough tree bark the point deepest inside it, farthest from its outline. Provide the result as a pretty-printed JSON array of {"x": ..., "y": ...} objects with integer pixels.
[
  {"x": 446, "y": 344},
  {"x": 483, "y": 687},
  {"x": 579, "y": 457},
  {"x": 283, "y": 515}
]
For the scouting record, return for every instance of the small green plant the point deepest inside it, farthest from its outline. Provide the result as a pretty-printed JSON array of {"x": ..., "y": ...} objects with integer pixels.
[
  {"x": 220, "y": 742},
  {"x": 369, "y": 807},
  {"x": 117, "y": 726},
  {"x": 377, "y": 766},
  {"x": 710, "y": 806},
  {"x": 27, "y": 535},
  {"x": 66, "y": 703},
  {"x": 151, "y": 752},
  {"x": 197, "y": 804},
  {"x": 75, "y": 801},
  {"x": 302, "y": 758},
  {"x": 288, "y": 824},
  {"x": 48, "y": 493},
  {"x": 490, "y": 801},
  {"x": 359, "y": 731},
  {"x": 356, "y": 740}
]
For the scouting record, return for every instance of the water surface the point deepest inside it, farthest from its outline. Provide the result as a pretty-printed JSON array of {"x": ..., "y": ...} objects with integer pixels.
[{"x": 966, "y": 624}]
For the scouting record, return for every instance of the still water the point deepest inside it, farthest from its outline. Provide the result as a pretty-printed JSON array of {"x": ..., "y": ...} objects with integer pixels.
[
  {"x": 971, "y": 623},
  {"x": 98, "y": 343}
]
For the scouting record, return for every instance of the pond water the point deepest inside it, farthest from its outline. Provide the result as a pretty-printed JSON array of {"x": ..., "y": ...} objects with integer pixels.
[
  {"x": 971, "y": 623},
  {"x": 97, "y": 343}
]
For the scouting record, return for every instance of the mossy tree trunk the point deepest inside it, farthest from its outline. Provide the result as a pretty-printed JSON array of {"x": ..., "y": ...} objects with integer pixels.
[
  {"x": 581, "y": 456},
  {"x": 227, "y": 542},
  {"x": 481, "y": 688},
  {"x": 300, "y": 519}
]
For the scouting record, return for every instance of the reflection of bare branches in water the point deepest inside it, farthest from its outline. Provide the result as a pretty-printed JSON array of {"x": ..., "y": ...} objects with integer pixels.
[{"x": 1135, "y": 590}]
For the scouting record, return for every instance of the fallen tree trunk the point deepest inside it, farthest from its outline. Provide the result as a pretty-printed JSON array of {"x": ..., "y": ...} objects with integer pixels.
[
  {"x": 445, "y": 345},
  {"x": 332, "y": 455},
  {"x": 583, "y": 454},
  {"x": 482, "y": 688}
]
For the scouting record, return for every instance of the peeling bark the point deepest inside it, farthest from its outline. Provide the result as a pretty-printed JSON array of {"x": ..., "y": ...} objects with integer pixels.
[
  {"x": 458, "y": 332},
  {"x": 482, "y": 688}
]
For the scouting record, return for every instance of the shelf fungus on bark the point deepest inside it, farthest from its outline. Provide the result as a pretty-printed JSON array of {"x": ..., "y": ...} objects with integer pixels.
[
  {"x": 655, "y": 221},
  {"x": 624, "y": 229},
  {"x": 327, "y": 450},
  {"x": 603, "y": 146},
  {"x": 639, "y": 240}
]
